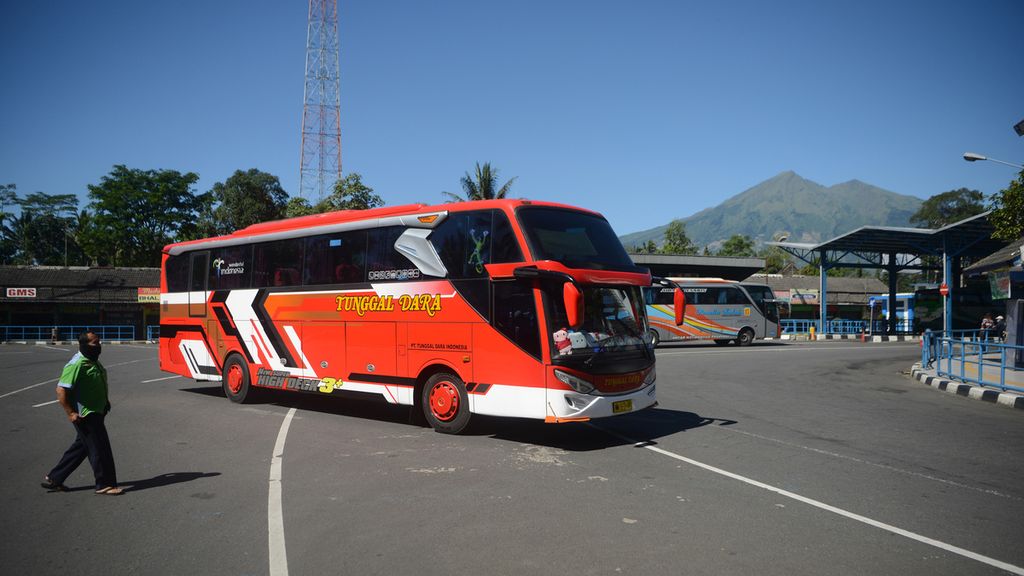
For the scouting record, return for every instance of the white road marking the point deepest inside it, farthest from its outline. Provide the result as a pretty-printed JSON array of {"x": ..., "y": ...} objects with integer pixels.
[
  {"x": 823, "y": 506},
  {"x": 753, "y": 349},
  {"x": 159, "y": 379},
  {"x": 45, "y": 403},
  {"x": 275, "y": 515},
  {"x": 55, "y": 379},
  {"x": 869, "y": 463}
]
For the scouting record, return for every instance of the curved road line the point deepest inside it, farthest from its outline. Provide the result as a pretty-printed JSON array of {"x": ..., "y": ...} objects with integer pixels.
[
  {"x": 823, "y": 506},
  {"x": 275, "y": 515}
]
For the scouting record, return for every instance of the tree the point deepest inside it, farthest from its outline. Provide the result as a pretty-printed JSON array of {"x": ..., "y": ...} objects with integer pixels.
[
  {"x": 350, "y": 194},
  {"x": 483, "y": 185},
  {"x": 775, "y": 259},
  {"x": 949, "y": 207},
  {"x": 676, "y": 240},
  {"x": 737, "y": 245},
  {"x": 245, "y": 198},
  {"x": 135, "y": 213},
  {"x": 298, "y": 206},
  {"x": 1008, "y": 211},
  {"x": 37, "y": 235}
]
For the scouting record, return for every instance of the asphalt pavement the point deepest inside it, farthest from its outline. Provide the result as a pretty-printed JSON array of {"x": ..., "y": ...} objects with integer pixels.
[{"x": 781, "y": 458}]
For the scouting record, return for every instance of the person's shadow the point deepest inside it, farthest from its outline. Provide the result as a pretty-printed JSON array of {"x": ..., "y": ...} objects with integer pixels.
[{"x": 156, "y": 481}]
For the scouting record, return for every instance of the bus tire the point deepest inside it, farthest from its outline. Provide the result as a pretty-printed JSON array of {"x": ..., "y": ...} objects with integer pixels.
[
  {"x": 445, "y": 403},
  {"x": 745, "y": 338},
  {"x": 654, "y": 337},
  {"x": 235, "y": 379}
]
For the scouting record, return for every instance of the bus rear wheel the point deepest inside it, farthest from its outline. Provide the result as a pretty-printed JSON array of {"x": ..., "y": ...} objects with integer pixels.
[
  {"x": 235, "y": 379},
  {"x": 445, "y": 403},
  {"x": 745, "y": 338}
]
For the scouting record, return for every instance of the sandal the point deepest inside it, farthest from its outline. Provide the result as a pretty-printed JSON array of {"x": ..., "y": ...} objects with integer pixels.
[
  {"x": 111, "y": 491},
  {"x": 53, "y": 486}
]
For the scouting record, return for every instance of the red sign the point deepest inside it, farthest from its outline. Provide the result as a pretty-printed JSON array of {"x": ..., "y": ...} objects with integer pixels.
[
  {"x": 21, "y": 292},
  {"x": 943, "y": 289}
]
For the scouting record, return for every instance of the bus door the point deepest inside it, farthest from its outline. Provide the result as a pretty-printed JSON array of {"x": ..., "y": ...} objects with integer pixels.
[{"x": 197, "y": 284}]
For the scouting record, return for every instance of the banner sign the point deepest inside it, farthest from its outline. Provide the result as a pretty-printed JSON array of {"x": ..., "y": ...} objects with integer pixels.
[
  {"x": 149, "y": 295},
  {"x": 21, "y": 292}
]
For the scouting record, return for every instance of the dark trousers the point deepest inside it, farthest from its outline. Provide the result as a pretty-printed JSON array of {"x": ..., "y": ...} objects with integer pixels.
[{"x": 91, "y": 442}]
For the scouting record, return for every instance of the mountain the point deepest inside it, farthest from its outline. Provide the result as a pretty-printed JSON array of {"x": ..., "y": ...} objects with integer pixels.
[{"x": 788, "y": 204}]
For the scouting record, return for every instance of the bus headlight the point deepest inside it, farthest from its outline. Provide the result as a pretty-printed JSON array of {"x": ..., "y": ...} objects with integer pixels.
[{"x": 578, "y": 384}]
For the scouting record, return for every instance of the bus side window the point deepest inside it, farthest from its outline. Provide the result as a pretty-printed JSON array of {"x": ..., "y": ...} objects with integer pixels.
[
  {"x": 381, "y": 256},
  {"x": 335, "y": 258},
  {"x": 230, "y": 267},
  {"x": 177, "y": 273},
  {"x": 277, "y": 263},
  {"x": 733, "y": 295},
  {"x": 463, "y": 241},
  {"x": 515, "y": 315},
  {"x": 504, "y": 244}
]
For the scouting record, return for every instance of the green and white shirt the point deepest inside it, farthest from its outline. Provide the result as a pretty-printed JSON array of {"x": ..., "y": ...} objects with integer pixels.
[{"x": 87, "y": 381}]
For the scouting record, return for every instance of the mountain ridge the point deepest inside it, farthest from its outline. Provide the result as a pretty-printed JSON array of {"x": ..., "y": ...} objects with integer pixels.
[{"x": 787, "y": 203}]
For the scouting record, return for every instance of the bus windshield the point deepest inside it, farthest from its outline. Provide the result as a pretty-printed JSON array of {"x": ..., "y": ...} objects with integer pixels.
[
  {"x": 576, "y": 239},
  {"x": 613, "y": 322}
]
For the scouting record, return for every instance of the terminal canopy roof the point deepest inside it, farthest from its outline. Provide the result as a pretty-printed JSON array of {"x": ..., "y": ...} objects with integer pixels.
[{"x": 971, "y": 237}]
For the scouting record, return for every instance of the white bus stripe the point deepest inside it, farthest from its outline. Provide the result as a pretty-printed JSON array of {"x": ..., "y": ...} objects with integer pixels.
[{"x": 827, "y": 507}]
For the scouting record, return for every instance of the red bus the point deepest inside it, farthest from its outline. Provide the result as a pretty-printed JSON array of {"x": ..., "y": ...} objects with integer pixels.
[{"x": 505, "y": 307}]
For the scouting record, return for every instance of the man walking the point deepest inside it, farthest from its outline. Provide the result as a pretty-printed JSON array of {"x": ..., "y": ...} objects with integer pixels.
[{"x": 82, "y": 392}]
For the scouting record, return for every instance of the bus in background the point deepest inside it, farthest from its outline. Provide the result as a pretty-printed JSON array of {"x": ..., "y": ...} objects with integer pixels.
[
  {"x": 720, "y": 310},
  {"x": 505, "y": 307}
]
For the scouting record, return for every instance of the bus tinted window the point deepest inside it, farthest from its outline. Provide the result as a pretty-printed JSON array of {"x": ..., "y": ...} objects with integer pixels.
[
  {"x": 177, "y": 273},
  {"x": 515, "y": 315},
  {"x": 383, "y": 262},
  {"x": 577, "y": 239},
  {"x": 336, "y": 258},
  {"x": 277, "y": 263},
  {"x": 466, "y": 241},
  {"x": 230, "y": 268},
  {"x": 504, "y": 244}
]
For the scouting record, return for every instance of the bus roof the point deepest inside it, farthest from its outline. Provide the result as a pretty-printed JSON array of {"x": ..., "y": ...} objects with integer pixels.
[{"x": 340, "y": 217}]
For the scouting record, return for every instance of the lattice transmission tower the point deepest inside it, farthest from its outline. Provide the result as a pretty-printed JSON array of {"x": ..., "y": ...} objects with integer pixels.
[{"x": 321, "y": 105}]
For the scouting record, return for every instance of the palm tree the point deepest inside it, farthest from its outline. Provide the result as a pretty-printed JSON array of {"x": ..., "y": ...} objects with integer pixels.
[{"x": 481, "y": 186}]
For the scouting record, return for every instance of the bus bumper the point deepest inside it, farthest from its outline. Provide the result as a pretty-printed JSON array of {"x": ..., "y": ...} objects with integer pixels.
[{"x": 569, "y": 406}]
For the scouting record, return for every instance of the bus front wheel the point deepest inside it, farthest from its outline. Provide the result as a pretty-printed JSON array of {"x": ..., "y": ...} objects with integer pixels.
[
  {"x": 446, "y": 403},
  {"x": 235, "y": 379},
  {"x": 745, "y": 338}
]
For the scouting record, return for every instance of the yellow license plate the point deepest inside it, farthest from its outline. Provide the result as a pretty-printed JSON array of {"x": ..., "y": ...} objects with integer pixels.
[{"x": 622, "y": 406}]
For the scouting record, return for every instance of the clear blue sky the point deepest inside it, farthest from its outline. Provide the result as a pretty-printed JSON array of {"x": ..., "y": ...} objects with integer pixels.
[{"x": 643, "y": 110}]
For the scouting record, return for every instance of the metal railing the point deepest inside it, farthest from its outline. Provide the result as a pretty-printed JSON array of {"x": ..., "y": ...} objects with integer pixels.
[
  {"x": 153, "y": 332},
  {"x": 837, "y": 326},
  {"x": 65, "y": 332},
  {"x": 973, "y": 356}
]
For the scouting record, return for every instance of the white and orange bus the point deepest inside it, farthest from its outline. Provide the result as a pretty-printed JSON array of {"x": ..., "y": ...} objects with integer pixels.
[{"x": 504, "y": 307}]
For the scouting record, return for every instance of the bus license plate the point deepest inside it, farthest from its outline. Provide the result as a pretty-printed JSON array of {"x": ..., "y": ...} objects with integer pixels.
[{"x": 622, "y": 406}]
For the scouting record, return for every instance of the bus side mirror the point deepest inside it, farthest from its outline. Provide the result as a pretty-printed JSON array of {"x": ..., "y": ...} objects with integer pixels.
[
  {"x": 573, "y": 304},
  {"x": 679, "y": 300}
]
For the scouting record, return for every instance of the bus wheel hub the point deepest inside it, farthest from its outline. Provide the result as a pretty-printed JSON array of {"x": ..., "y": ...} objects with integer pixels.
[
  {"x": 235, "y": 378},
  {"x": 444, "y": 401}
]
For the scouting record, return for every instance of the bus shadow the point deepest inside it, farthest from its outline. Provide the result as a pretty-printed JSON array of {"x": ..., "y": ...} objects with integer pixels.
[{"x": 645, "y": 426}]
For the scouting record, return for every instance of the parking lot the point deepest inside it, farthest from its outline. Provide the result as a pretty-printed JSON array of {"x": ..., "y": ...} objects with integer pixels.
[{"x": 780, "y": 458}]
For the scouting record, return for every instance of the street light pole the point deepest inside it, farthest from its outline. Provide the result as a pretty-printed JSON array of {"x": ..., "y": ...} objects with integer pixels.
[{"x": 972, "y": 157}]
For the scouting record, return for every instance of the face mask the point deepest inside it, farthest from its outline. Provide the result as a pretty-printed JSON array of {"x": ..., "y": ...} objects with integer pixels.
[{"x": 90, "y": 351}]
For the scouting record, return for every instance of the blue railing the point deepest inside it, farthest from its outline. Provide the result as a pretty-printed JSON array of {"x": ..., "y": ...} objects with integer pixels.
[
  {"x": 153, "y": 332},
  {"x": 837, "y": 326},
  {"x": 66, "y": 332},
  {"x": 973, "y": 356}
]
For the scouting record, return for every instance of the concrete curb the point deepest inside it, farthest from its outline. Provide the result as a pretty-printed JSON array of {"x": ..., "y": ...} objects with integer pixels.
[
  {"x": 929, "y": 377},
  {"x": 806, "y": 337}
]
